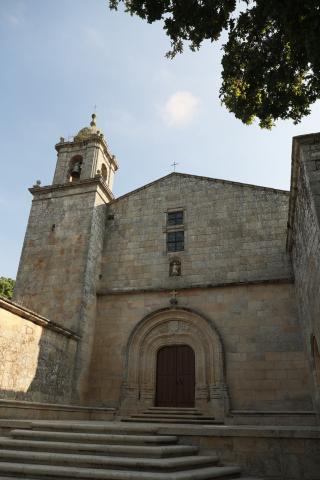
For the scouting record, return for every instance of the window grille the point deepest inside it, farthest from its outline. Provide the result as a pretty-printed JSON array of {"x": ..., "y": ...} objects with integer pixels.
[
  {"x": 175, "y": 241},
  {"x": 175, "y": 218}
]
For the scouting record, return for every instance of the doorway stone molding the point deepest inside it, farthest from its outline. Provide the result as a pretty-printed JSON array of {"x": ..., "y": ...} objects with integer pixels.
[{"x": 175, "y": 326}]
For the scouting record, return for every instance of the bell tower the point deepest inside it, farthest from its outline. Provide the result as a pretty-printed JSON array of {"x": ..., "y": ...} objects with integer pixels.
[
  {"x": 86, "y": 156},
  {"x": 61, "y": 255}
]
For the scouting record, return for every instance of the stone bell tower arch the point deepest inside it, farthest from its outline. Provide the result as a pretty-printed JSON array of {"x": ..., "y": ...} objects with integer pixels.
[
  {"x": 61, "y": 254},
  {"x": 85, "y": 157}
]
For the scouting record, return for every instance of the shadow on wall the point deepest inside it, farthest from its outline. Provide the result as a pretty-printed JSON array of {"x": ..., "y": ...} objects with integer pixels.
[
  {"x": 36, "y": 362},
  {"x": 315, "y": 356}
]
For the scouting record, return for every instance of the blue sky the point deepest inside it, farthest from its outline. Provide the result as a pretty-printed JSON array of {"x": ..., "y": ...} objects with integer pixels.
[{"x": 59, "y": 58}]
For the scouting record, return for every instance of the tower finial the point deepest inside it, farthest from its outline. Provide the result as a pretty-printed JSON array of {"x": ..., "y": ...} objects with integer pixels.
[{"x": 93, "y": 121}]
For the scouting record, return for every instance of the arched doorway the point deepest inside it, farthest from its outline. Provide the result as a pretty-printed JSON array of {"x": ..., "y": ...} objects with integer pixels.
[
  {"x": 166, "y": 328},
  {"x": 175, "y": 383}
]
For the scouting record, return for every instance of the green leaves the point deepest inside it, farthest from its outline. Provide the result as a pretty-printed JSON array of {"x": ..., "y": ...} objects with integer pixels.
[
  {"x": 271, "y": 61},
  {"x": 184, "y": 20},
  {"x": 263, "y": 54},
  {"x": 6, "y": 287}
]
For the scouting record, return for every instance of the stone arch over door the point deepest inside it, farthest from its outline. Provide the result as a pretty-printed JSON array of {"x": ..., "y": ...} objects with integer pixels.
[{"x": 175, "y": 327}]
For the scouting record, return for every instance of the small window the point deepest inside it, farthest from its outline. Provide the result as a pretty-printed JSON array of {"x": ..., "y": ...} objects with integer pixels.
[
  {"x": 175, "y": 241},
  {"x": 175, "y": 218}
]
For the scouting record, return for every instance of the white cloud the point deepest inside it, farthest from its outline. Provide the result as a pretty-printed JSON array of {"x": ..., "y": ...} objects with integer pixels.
[{"x": 180, "y": 109}]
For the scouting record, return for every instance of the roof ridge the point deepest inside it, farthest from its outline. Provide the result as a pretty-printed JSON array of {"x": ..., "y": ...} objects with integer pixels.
[{"x": 216, "y": 180}]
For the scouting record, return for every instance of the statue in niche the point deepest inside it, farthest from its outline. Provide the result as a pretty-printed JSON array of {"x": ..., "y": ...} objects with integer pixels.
[{"x": 175, "y": 268}]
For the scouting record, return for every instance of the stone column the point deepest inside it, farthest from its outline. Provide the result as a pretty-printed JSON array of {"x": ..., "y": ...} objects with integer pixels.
[
  {"x": 129, "y": 398},
  {"x": 147, "y": 396},
  {"x": 219, "y": 400},
  {"x": 201, "y": 397}
]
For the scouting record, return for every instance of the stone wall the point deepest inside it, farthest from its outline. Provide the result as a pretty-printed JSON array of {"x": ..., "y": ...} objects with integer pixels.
[
  {"x": 304, "y": 242},
  {"x": 54, "y": 258},
  {"x": 87, "y": 313},
  {"x": 265, "y": 364},
  {"x": 268, "y": 453},
  {"x": 60, "y": 261},
  {"x": 233, "y": 233},
  {"x": 36, "y": 356},
  {"x": 236, "y": 272}
]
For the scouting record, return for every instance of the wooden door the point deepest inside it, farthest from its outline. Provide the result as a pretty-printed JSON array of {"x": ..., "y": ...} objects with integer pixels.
[{"x": 175, "y": 376}]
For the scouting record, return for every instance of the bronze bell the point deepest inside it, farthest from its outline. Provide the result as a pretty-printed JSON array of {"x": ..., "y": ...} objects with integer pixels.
[{"x": 76, "y": 170}]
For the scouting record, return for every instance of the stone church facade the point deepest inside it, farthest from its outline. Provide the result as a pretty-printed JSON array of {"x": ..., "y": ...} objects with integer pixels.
[{"x": 186, "y": 292}]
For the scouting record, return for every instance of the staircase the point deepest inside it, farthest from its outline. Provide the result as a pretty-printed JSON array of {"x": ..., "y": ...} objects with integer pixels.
[
  {"x": 172, "y": 415},
  {"x": 113, "y": 451}
]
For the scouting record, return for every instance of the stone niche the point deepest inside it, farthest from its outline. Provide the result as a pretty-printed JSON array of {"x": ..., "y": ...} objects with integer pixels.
[{"x": 167, "y": 327}]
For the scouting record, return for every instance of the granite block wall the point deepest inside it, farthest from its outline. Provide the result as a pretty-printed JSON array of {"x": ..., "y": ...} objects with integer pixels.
[
  {"x": 53, "y": 273},
  {"x": 233, "y": 233},
  {"x": 60, "y": 262},
  {"x": 266, "y": 366},
  {"x": 305, "y": 245},
  {"x": 36, "y": 361}
]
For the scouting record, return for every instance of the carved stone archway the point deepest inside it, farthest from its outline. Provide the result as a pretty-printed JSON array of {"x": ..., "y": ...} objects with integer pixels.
[{"x": 176, "y": 326}]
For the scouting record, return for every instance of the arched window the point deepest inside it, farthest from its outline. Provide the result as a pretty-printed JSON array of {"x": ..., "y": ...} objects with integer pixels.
[
  {"x": 75, "y": 166},
  {"x": 104, "y": 173}
]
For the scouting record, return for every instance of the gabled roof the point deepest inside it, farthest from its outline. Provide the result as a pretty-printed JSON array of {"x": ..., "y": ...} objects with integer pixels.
[{"x": 199, "y": 177}]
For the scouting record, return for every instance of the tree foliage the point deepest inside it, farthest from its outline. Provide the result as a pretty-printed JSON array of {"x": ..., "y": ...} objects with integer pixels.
[
  {"x": 6, "y": 287},
  {"x": 271, "y": 59}
]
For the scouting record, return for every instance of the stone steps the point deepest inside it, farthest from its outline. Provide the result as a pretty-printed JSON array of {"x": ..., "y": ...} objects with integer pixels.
[
  {"x": 105, "y": 461},
  {"x": 11, "y": 477},
  {"x": 94, "y": 427},
  {"x": 172, "y": 415},
  {"x": 96, "y": 437},
  {"x": 97, "y": 449},
  {"x": 50, "y": 472},
  {"x": 66, "y": 451},
  {"x": 174, "y": 409},
  {"x": 184, "y": 421}
]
